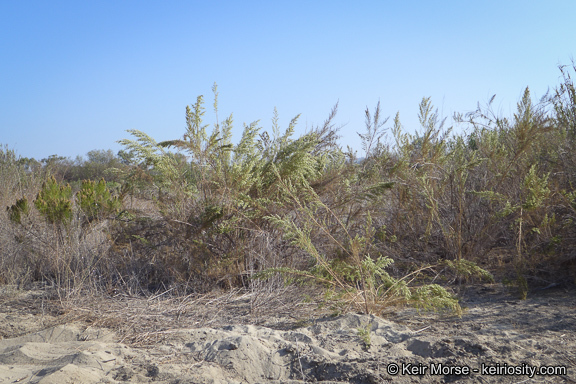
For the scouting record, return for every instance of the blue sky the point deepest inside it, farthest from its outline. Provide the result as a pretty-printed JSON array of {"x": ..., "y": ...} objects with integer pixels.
[{"x": 75, "y": 75}]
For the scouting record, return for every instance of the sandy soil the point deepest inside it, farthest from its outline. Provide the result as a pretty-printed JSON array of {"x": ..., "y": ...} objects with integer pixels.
[{"x": 234, "y": 338}]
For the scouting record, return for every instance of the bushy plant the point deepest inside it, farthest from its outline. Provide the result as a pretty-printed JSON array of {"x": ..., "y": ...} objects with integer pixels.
[
  {"x": 54, "y": 202},
  {"x": 19, "y": 209},
  {"x": 95, "y": 199},
  {"x": 56, "y": 242},
  {"x": 359, "y": 280}
]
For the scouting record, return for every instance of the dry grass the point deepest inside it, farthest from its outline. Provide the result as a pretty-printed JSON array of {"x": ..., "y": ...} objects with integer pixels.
[{"x": 143, "y": 321}]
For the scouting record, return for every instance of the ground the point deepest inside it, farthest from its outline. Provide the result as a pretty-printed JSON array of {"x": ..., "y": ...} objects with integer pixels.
[{"x": 237, "y": 337}]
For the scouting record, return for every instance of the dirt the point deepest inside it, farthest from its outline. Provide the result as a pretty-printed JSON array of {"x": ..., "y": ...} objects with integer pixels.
[{"x": 235, "y": 338}]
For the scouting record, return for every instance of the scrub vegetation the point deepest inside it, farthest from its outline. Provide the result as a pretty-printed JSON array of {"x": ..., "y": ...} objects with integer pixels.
[{"x": 416, "y": 215}]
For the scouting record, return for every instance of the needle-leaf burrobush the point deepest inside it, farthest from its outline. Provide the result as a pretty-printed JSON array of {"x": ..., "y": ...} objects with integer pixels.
[
  {"x": 95, "y": 199},
  {"x": 54, "y": 202},
  {"x": 17, "y": 210}
]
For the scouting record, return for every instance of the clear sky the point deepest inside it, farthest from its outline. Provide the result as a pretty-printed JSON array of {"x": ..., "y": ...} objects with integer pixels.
[{"x": 74, "y": 75}]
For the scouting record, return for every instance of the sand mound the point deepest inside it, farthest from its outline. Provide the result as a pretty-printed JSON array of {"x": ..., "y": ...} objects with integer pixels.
[
  {"x": 324, "y": 351},
  {"x": 58, "y": 355}
]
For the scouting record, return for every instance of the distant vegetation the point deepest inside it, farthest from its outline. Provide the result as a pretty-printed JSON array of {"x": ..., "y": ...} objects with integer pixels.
[{"x": 397, "y": 227}]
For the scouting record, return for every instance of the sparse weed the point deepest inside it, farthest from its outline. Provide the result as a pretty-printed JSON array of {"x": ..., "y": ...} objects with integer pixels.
[{"x": 364, "y": 335}]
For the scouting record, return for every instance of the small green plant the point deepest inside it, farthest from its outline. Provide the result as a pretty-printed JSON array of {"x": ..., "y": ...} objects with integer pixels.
[
  {"x": 54, "y": 202},
  {"x": 16, "y": 211},
  {"x": 95, "y": 199},
  {"x": 466, "y": 270},
  {"x": 364, "y": 335},
  {"x": 432, "y": 297},
  {"x": 522, "y": 285},
  {"x": 518, "y": 284}
]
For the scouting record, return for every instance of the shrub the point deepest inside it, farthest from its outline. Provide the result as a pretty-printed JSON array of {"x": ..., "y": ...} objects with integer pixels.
[{"x": 96, "y": 201}]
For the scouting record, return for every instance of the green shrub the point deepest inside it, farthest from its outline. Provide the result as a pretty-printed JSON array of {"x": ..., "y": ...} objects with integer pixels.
[
  {"x": 96, "y": 201},
  {"x": 16, "y": 211},
  {"x": 54, "y": 202}
]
